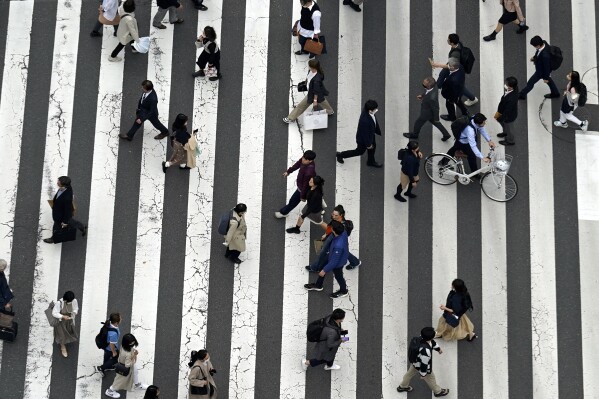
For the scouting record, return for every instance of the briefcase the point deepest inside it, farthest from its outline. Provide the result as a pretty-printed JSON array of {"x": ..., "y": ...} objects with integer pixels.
[
  {"x": 9, "y": 333},
  {"x": 314, "y": 46},
  {"x": 63, "y": 235},
  {"x": 6, "y": 318}
]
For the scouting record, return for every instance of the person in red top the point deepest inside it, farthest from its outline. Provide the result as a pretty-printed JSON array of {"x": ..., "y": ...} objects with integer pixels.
[{"x": 307, "y": 170}]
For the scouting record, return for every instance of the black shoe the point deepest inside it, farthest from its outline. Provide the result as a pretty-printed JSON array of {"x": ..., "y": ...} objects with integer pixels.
[
  {"x": 199, "y": 73},
  {"x": 399, "y": 198},
  {"x": 339, "y": 294},
  {"x": 407, "y": 389},
  {"x": 489, "y": 38},
  {"x": 312, "y": 287},
  {"x": 505, "y": 142},
  {"x": 311, "y": 56},
  {"x": 311, "y": 271},
  {"x": 374, "y": 164},
  {"x": 215, "y": 78},
  {"x": 84, "y": 231},
  {"x": 293, "y": 230},
  {"x": 300, "y": 52},
  {"x": 470, "y": 339},
  {"x": 445, "y": 138},
  {"x": 448, "y": 118},
  {"x": 354, "y": 6},
  {"x": 237, "y": 261},
  {"x": 178, "y": 21},
  {"x": 95, "y": 34},
  {"x": 352, "y": 267},
  {"x": 125, "y": 137},
  {"x": 501, "y": 134},
  {"x": 201, "y": 7},
  {"x": 339, "y": 158},
  {"x": 49, "y": 240},
  {"x": 410, "y": 195},
  {"x": 164, "y": 167},
  {"x": 522, "y": 29},
  {"x": 552, "y": 95},
  {"x": 443, "y": 392},
  {"x": 99, "y": 370},
  {"x": 346, "y": 2},
  {"x": 161, "y": 26},
  {"x": 410, "y": 136}
]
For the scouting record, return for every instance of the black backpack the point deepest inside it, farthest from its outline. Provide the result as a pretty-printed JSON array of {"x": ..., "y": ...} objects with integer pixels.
[
  {"x": 582, "y": 95},
  {"x": 414, "y": 349},
  {"x": 223, "y": 224},
  {"x": 102, "y": 337},
  {"x": 556, "y": 57},
  {"x": 401, "y": 154},
  {"x": 458, "y": 126},
  {"x": 467, "y": 59},
  {"x": 314, "y": 330}
]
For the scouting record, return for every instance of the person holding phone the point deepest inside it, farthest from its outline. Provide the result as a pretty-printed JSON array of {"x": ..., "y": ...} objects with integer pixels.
[
  {"x": 179, "y": 138},
  {"x": 331, "y": 338}
]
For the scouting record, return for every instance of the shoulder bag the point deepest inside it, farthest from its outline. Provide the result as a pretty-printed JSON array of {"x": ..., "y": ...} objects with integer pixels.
[
  {"x": 199, "y": 390},
  {"x": 121, "y": 369}
]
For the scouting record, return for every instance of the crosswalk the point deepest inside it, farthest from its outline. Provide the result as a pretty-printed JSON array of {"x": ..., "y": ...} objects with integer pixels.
[{"x": 152, "y": 251}]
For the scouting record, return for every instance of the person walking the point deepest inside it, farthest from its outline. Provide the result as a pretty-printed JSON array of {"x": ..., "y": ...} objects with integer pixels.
[
  {"x": 314, "y": 205},
  {"x": 128, "y": 378},
  {"x": 201, "y": 381},
  {"x": 62, "y": 209},
  {"x": 410, "y": 164},
  {"x": 467, "y": 141},
  {"x": 173, "y": 7},
  {"x": 180, "y": 137},
  {"x": 507, "y": 110},
  {"x": 147, "y": 109},
  {"x": 210, "y": 54},
  {"x": 454, "y": 324},
  {"x": 316, "y": 93},
  {"x": 368, "y": 127},
  {"x": 6, "y": 294},
  {"x": 199, "y": 5},
  {"x": 307, "y": 170},
  {"x": 153, "y": 392},
  {"x": 338, "y": 254},
  {"x": 236, "y": 235},
  {"x": 570, "y": 103},
  {"x": 353, "y": 4},
  {"x": 108, "y": 14},
  {"x": 429, "y": 110},
  {"x": 309, "y": 24},
  {"x": 111, "y": 351},
  {"x": 542, "y": 61},
  {"x": 421, "y": 361},
  {"x": 127, "y": 32},
  {"x": 331, "y": 338},
  {"x": 511, "y": 13},
  {"x": 452, "y": 89},
  {"x": 65, "y": 310}
]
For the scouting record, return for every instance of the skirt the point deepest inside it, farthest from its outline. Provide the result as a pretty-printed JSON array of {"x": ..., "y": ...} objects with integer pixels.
[
  {"x": 449, "y": 333},
  {"x": 315, "y": 218},
  {"x": 64, "y": 332}
]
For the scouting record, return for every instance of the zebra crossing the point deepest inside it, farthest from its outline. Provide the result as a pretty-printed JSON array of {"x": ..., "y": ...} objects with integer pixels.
[{"x": 152, "y": 252}]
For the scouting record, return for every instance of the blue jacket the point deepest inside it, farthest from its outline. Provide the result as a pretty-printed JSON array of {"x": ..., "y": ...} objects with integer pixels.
[
  {"x": 543, "y": 62},
  {"x": 338, "y": 253}
]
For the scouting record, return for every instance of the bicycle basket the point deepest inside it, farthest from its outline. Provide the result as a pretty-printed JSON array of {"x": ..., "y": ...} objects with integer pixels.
[{"x": 501, "y": 165}]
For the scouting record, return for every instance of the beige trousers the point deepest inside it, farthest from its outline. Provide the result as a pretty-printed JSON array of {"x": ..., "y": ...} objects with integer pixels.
[
  {"x": 405, "y": 180},
  {"x": 303, "y": 106},
  {"x": 430, "y": 379}
]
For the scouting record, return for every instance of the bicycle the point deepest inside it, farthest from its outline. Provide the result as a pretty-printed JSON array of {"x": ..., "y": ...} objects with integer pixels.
[{"x": 495, "y": 182}]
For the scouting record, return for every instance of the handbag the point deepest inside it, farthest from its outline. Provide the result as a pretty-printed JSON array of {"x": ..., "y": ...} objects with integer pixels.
[
  {"x": 104, "y": 21},
  {"x": 143, "y": 45},
  {"x": 53, "y": 321},
  {"x": 318, "y": 246},
  {"x": 211, "y": 72},
  {"x": 199, "y": 390},
  {"x": 314, "y": 46},
  {"x": 121, "y": 369},
  {"x": 302, "y": 86},
  {"x": 451, "y": 319},
  {"x": 295, "y": 29},
  {"x": 6, "y": 318},
  {"x": 316, "y": 120}
]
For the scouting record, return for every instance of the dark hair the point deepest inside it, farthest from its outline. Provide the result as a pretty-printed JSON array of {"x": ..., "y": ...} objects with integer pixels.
[
  {"x": 575, "y": 80},
  {"x": 210, "y": 33},
  {"x": 340, "y": 210},
  {"x": 309, "y": 155},
  {"x": 318, "y": 181},
  {"x": 240, "y": 208},
  {"x": 338, "y": 227},
  {"x": 453, "y": 38},
  {"x": 412, "y": 145},
  {"x": 180, "y": 121},
  {"x": 147, "y": 84},
  {"x": 536, "y": 41},
  {"x": 338, "y": 314},
  {"x": 197, "y": 355},
  {"x": 115, "y": 318},
  {"x": 151, "y": 392},
  {"x": 512, "y": 82},
  {"x": 129, "y": 341},
  {"x": 479, "y": 118},
  {"x": 459, "y": 285},
  {"x": 65, "y": 181},
  {"x": 129, "y": 6},
  {"x": 314, "y": 63},
  {"x": 370, "y": 105},
  {"x": 68, "y": 296}
]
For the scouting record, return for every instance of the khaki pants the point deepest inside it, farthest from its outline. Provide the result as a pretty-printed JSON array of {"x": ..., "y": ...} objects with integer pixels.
[
  {"x": 303, "y": 106},
  {"x": 430, "y": 380},
  {"x": 405, "y": 180}
]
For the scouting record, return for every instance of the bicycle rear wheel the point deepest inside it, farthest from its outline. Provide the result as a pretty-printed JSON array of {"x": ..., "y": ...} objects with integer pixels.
[
  {"x": 437, "y": 166},
  {"x": 500, "y": 188}
]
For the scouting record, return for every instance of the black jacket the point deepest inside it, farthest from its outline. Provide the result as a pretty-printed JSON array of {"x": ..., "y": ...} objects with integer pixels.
[
  {"x": 167, "y": 3},
  {"x": 429, "y": 108},
  {"x": 543, "y": 62},
  {"x": 313, "y": 202},
  {"x": 149, "y": 107},
  {"x": 182, "y": 136},
  {"x": 367, "y": 129},
  {"x": 410, "y": 165},
  {"x": 508, "y": 107},
  {"x": 453, "y": 86},
  {"x": 62, "y": 210},
  {"x": 5, "y": 293},
  {"x": 317, "y": 89}
]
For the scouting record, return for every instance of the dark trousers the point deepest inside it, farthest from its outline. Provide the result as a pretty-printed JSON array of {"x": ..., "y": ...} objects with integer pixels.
[
  {"x": 98, "y": 27},
  {"x": 421, "y": 121},
  {"x": 361, "y": 149},
  {"x": 153, "y": 120},
  {"x": 293, "y": 202},
  {"x": 109, "y": 361},
  {"x": 118, "y": 49},
  {"x": 72, "y": 223},
  {"x": 302, "y": 41},
  {"x": 204, "y": 57},
  {"x": 323, "y": 256},
  {"x": 507, "y": 129},
  {"x": 338, "y": 276},
  {"x": 450, "y": 105},
  {"x": 232, "y": 254},
  {"x": 533, "y": 80},
  {"x": 317, "y": 362},
  {"x": 466, "y": 149}
]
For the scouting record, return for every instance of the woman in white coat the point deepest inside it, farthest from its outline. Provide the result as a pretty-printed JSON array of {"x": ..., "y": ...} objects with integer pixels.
[
  {"x": 128, "y": 361},
  {"x": 65, "y": 310},
  {"x": 127, "y": 32}
]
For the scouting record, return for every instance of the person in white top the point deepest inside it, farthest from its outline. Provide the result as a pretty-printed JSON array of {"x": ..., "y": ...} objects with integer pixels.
[
  {"x": 570, "y": 103},
  {"x": 108, "y": 15},
  {"x": 65, "y": 310},
  {"x": 309, "y": 24},
  {"x": 316, "y": 93}
]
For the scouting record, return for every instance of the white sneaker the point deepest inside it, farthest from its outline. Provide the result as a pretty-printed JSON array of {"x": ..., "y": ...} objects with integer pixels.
[
  {"x": 114, "y": 59},
  {"x": 585, "y": 126},
  {"x": 304, "y": 365},
  {"x": 279, "y": 215},
  {"x": 470, "y": 103},
  {"x": 333, "y": 367},
  {"x": 113, "y": 394},
  {"x": 141, "y": 386},
  {"x": 559, "y": 124}
]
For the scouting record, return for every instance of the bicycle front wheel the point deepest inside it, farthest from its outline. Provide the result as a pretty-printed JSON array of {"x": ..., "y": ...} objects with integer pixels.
[
  {"x": 500, "y": 188},
  {"x": 438, "y": 168}
]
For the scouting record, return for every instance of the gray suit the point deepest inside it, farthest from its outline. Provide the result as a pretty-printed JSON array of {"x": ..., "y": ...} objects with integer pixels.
[{"x": 429, "y": 112}]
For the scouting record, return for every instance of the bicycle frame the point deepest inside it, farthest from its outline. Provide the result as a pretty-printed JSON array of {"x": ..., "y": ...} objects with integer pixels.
[{"x": 464, "y": 178}]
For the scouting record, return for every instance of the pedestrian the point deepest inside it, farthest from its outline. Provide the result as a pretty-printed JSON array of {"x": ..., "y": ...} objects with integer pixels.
[
  {"x": 307, "y": 170},
  {"x": 147, "y": 109},
  {"x": 338, "y": 215},
  {"x": 331, "y": 338},
  {"x": 173, "y": 7},
  {"x": 316, "y": 93},
  {"x": 457, "y": 304},
  {"x": 63, "y": 208},
  {"x": 507, "y": 110},
  {"x": 410, "y": 164},
  {"x": 107, "y": 15},
  {"x": 111, "y": 351},
  {"x": 153, "y": 392},
  {"x": 511, "y": 13},
  {"x": 429, "y": 110},
  {"x": 65, "y": 310},
  {"x": 127, "y": 32},
  {"x": 570, "y": 103},
  {"x": 210, "y": 54},
  {"x": 542, "y": 61},
  {"x": 368, "y": 127},
  {"x": 314, "y": 205},
  {"x": 467, "y": 141},
  {"x": 6, "y": 294},
  {"x": 198, "y": 5},
  {"x": 236, "y": 235},
  {"x": 353, "y": 4},
  {"x": 309, "y": 24},
  {"x": 180, "y": 137},
  {"x": 452, "y": 89},
  {"x": 421, "y": 361},
  {"x": 338, "y": 255},
  {"x": 201, "y": 381},
  {"x": 127, "y": 374}
]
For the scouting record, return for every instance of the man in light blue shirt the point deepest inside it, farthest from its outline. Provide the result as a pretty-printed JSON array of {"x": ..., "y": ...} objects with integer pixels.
[{"x": 467, "y": 142}]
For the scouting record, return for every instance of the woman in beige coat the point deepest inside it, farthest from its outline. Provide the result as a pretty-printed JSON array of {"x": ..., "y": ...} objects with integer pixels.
[
  {"x": 128, "y": 359},
  {"x": 200, "y": 376},
  {"x": 236, "y": 235},
  {"x": 127, "y": 32}
]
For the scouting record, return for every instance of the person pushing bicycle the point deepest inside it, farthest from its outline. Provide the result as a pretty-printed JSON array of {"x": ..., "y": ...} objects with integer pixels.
[{"x": 467, "y": 141}]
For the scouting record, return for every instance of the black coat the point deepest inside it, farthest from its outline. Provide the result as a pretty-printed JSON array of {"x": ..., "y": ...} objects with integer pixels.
[
  {"x": 429, "y": 108},
  {"x": 5, "y": 293},
  {"x": 508, "y": 107},
  {"x": 149, "y": 107},
  {"x": 453, "y": 86},
  {"x": 316, "y": 88},
  {"x": 367, "y": 129},
  {"x": 410, "y": 165},
  {"x": 62, "y": 210}
]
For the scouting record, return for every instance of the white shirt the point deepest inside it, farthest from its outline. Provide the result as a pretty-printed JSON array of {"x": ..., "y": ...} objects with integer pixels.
[
  {"x": 373, "y": 118},
  {"x": 468, "y": 136},
  {"x": 315, "y": 20},
  {"x": 310, "y": 76},
  {"x": 110, "y": 8},
  {"x": 428, "y": 91}
]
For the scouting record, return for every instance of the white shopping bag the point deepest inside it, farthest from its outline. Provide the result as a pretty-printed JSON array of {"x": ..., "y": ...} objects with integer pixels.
[
  {"x": 316, "y": 120},
  {"x": 143, "y": 46}
]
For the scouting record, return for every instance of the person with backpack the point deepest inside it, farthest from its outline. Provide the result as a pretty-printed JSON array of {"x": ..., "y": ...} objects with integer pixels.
[
  {"x": 465, "y": 131},
  {"x": 420, "y": 355},
  {"x": 127, "y": 374},
  {"x": 429, "y": 110},
  {"x": 574, "y": 96},
  {"x": 108, "y": 340},
  {"x": 330, "y": 337},
  {"x": 543, "y": 67},
  {"x": 507, "y": 110},
  {"x": 511, "y": 13},
  {"x": 454, "y": 324},
  {"x": 65, "y": 310},
  {"x": 201, "y": 381},
  {"x": 236, "y": 234},
  {"x": 452, "y": 88},
  {"x": 307, "y": 170},
  {"x": 410, "y": 164}
]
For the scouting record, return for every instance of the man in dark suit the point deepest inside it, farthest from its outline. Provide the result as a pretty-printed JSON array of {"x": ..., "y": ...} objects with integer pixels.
[
  {"x": 452, "y": 88},
  {"x": 368, "y": 126},
  {"x": 62, "y": 209},
  {"x": 542, "y": 61},
  {"x": 147, "y": 109},
  {"x": 507, "y": 110},
  {"x": 429, "y": 110}
]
